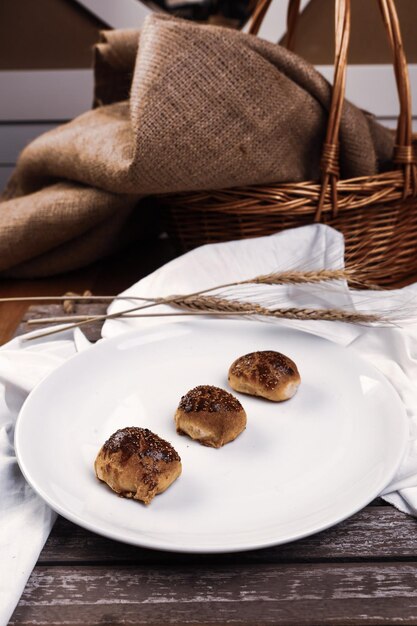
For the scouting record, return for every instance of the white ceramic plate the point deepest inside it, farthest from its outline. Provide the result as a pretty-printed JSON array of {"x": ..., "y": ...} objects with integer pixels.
[{"x": 299, "y": 467}]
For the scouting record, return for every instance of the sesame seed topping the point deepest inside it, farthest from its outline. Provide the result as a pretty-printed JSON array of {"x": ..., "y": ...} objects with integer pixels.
[
  {"x": 209, "y": 399},
  {"x": 142, "y": 442},
  {"x": 266, "y": 368}
]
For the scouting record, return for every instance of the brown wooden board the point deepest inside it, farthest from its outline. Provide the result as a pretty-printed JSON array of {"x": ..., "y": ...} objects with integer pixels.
[
  {"x": 377, "y": 593},
  {"x": 92, "y": 331}
]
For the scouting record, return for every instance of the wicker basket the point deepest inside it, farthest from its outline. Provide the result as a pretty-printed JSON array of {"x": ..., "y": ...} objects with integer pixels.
[{"x": 377, "y": 215}]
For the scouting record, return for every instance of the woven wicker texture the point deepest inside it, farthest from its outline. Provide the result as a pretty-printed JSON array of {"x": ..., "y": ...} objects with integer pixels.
[{"x": 377, "y": 214}]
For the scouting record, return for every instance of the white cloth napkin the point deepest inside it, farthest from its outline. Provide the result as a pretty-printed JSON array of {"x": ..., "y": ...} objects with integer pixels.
[{"x": 25, "y": 521}]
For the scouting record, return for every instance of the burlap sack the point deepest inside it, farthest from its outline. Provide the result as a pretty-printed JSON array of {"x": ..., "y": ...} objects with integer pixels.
[
  {"x": 208, "y": 108},
  {"x": 114, "y": 62}
]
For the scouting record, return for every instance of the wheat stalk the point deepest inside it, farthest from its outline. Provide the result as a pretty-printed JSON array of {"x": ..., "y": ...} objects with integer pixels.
[
  {"x": 212, "y": 305},
  {"x": 301, "y": 277},
  {"x": 274, "y": 278},
  {"x": 197, "y": 302},
  {"x": 48, "y": 320}
]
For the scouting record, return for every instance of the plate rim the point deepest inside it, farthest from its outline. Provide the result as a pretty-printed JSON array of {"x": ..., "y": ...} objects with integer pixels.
[{"x": 143, "y": 541}]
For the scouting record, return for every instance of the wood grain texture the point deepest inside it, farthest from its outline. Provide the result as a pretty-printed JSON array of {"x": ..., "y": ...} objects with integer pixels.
[
  {"x": 92, "y": 331},
  {"x": 374, "y": 533},
  {"x": 250, "y": 595}
]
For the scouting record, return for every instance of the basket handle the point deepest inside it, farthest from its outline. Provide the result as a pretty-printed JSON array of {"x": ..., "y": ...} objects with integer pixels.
[
  {"x": 403, "y": 150},
  {"x": 292, "y": 16}
]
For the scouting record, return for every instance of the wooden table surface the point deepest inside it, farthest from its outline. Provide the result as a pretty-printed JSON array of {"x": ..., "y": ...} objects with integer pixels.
[{"x": 362, "y": 571}]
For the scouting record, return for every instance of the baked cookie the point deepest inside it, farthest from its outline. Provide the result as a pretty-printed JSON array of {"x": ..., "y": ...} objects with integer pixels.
[
  {"x": 210, "y": 415},
  {"x": 137, "y": 464},
  {"x": 268, "y": 374}
]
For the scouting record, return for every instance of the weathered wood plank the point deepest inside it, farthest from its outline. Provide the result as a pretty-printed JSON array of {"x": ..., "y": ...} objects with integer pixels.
[
  {"x": 92, "y": 331},
  {"x": 373, "y": 533},
  {"x": 267, "y": 594}
]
